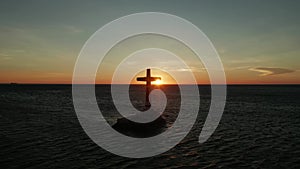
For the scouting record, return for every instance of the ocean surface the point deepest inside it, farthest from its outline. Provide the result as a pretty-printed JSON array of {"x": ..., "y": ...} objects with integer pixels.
[{"x": 260, "y": 128}]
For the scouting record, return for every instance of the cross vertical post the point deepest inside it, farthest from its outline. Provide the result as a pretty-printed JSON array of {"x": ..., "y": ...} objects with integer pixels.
[{"x": 148, "y": 87}]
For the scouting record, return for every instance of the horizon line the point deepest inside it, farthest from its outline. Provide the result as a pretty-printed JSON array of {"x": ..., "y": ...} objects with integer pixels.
[{"x": 14, "y": 83}]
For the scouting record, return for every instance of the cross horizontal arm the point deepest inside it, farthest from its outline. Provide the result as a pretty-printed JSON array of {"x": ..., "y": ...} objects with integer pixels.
[
  {"x": 145, "y": 78},
  {"x": 141, "y": 79}
]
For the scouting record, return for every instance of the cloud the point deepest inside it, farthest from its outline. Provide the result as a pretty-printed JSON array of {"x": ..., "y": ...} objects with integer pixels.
[
  {"x": 72, "y": 29},
  {"x": 267, "y": 71},
  {"x": 245, "y": 60},
  {"x": 4, "y": 55},
  {"x": 191, "y": 69}
]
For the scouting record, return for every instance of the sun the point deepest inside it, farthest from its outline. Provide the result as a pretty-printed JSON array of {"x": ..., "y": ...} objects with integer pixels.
[{"x": 157, "y": 82}]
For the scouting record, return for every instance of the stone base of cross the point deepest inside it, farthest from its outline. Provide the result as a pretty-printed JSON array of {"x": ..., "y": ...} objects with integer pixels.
[{"x": 148, "y": 79}]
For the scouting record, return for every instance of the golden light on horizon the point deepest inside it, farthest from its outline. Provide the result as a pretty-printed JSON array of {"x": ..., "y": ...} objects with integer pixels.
[{"x": 157, "y": 82}]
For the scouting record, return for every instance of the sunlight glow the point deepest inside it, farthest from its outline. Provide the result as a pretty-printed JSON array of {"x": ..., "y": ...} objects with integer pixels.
[{"x": 157, "y": 82}]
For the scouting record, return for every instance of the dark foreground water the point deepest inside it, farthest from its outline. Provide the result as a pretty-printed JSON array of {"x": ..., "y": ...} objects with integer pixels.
[{"x": 260, "y": 128}]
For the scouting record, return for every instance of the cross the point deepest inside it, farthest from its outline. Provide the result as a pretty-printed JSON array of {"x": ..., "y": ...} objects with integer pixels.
[{"x": 148, "y": 80}]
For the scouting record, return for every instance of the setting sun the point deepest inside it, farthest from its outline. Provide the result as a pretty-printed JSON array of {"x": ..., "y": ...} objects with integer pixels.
[{"x": 157, "y": 82}]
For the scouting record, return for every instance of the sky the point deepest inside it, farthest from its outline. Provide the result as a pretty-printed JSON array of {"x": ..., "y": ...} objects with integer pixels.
[{"x": 257, "y": 41}]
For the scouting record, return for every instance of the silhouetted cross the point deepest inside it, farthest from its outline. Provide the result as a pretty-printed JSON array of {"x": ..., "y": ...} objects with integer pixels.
[{"x": 148, "y": 80}]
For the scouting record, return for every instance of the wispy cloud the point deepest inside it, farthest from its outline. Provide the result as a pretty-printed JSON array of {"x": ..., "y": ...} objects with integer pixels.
[
  {"x": 4, "y": 55},
  {"x": 72, "y": 29},
  {"x": 191, "y": 69},
  {"x": 267, "y": 71},
  {"x": 245, "y": 60}
]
